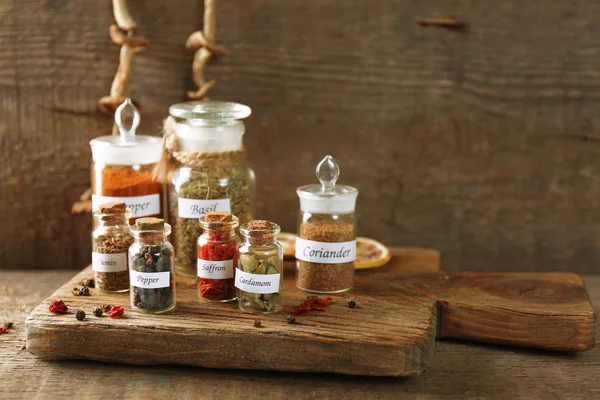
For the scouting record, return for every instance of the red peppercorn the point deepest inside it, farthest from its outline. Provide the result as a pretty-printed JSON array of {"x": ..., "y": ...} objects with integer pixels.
[
  {"x": 116, "y": 311},
  {"x": 3, "y": 329},
  {"x": 58, "y": 306},
  {"x": 312, "y": 304}
]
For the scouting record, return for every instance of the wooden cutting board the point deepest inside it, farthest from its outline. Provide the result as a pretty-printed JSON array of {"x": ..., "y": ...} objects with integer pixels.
[{"x": 402, "y": 308}]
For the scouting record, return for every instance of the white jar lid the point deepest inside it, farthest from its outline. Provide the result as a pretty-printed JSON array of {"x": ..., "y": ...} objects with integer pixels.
[
  {"x": 127, "y": 148},
  {"x": 327, "y": 198}
]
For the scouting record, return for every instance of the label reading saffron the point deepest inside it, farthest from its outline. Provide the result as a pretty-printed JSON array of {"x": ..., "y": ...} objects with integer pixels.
[
  {"x": 325, "y": 253},
  {"x": 194, "y": 208},
  {"x": 150, "y": 280},
  {"x": 109, "y": 262},
  {"x": 257, "y": 283},
  {"x": 215, "y": 269},
  {"x": 140, "y": 206}
]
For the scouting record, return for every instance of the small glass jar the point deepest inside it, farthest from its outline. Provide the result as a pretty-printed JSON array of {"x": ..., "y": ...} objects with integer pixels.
[
  {"x": 151, "y": 272},
  {"x": 259, "y": 277},
  {"x": 209, "y": 171},
  {"x": 326, "y": 242},
  {"x": 111, "y": 239},
  {"x": 123, "y": 166},
  {"x": 217, "y": 257}
]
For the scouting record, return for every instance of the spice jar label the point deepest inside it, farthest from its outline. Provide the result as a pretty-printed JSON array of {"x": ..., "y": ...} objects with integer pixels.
[
  {"x": 194, "y": 208},
  {"x": 150, "y": 280},
  {"x": 215, "y": 269},
  {"x": 109, "y": 262},
  {"x": 140, "y": 206},
  {"x": 257, "y": 283},
  {"x": 325, "y": 253}
]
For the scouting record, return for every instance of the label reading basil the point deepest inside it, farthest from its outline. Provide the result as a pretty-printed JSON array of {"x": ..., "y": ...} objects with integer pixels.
[
  {"x": 194, "y": 208},
  {"x": 150, "y": 280},
  {"x": 109, "y": 262},
  {"x": 215, "y": 269},
  {"x": 257, "y": 283},
  {"x": 325, "y": 253},
  {"x": 140, "y": 206}
]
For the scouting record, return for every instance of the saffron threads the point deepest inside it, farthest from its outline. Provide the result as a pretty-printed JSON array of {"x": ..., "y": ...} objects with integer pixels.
[{"x": 312, "y": 303}]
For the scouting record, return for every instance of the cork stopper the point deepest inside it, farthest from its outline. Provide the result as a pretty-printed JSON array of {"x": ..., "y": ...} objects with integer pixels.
[
  {"x": 218, "y": 216},
  {"x": 114, "y": 207},
  {"x": 150, "y": 224},
  {"x": 260, "y": 225}
]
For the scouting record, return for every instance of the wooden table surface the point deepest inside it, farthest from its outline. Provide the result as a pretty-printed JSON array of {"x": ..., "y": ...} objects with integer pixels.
[{"x": 460, "y": 370}]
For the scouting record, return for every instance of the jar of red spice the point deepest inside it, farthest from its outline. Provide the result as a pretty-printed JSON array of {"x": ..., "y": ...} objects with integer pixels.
[
  {"x": 217, "y": 257},
  {"x": 122, "y": 167}
]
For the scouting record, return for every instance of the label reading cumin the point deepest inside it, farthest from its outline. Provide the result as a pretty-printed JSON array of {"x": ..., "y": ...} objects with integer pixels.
[
  {"x": 194, "y": 208},
  {"x": 109, "y": 262},
  {"x": 257, "y": 283},
  {"x": 325, "y": 253}
]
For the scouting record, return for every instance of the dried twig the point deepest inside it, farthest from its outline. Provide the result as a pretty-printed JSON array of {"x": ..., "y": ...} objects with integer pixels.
[
  {"x": 443, "y": 21},
  {"x": 203, "y": 43}
]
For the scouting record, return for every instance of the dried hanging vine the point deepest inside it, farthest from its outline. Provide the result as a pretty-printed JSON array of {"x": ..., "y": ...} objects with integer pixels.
[
  {"x": 122, "y": 34},
  {"x": 203, "y": 42}
]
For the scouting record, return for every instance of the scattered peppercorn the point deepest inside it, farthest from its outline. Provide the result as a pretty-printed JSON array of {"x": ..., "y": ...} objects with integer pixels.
[
  {"x": 106, "y": 307},
  {"x": 116, "y": 311},
  {"x": 80, "y": 315},
  {"x": 257, "y": 323},
  {"x": 98, "y": 311},
  {"x": 87, "y": 282},
  {"x": 3, "y": 330},
  {"x": 23, "y": 347},
  {"x": 351, "y": 303},
  {"x": 312, "y": 303},
  {"x": 8, "y": 325},
  {"x": 84, "y": 291},
  {"x": 291, "y": 319},
  {"x": 58, "y": 306}
]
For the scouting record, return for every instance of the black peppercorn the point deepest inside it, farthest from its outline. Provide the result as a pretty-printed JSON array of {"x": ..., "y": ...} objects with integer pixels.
[
  {"x": 84, "y": 291},
  {"x": 351, "y": 303},
  {"x": 98, "y": 311},
  {"x": 257, "y": 323},
  {"x": 291, "y": 319},
  {"x": 80, "y": 315},
  {"x": 106, "y": 307}
]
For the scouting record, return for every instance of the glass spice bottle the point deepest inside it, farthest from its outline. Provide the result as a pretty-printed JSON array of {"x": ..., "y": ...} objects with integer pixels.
[
  {"x": 209, "y": 171},
  {"x": 123, "y": 166},
  {"x": 217, "y": 255},
  {"x": 151, "y": 271},
  {"x": 111, "y": 239},
  {"x": 326, "y": 242},
  {"x": 259, "y": 277}
]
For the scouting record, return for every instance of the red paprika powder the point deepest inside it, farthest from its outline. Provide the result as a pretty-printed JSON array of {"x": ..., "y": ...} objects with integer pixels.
[{"x": 217, "y": 257}]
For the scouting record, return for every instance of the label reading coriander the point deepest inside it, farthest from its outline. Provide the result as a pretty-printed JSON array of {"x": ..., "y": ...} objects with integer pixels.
[
  {"x": 257, "y": 283},
  {"x": 194, "y": 208},
  {"x": 325, "y": 253},
  {"x": 140, "y": 206},
  {"x": 215, "y": 269},
  {"x": 109, "y": 262},
  {"x": 150, "y": 280}
]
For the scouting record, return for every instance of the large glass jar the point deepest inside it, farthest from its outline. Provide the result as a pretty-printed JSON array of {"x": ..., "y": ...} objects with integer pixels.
[
  {"x": 111, "y": 239},
  {"x": 209, "y": 172},
  {"x": 259, "y": 277},
  {"x": 326, "y": 242},
  {"x": 151, "y": 272},
  {"x": 217, "y": 256},
  {"x": 123, "y": 166}
]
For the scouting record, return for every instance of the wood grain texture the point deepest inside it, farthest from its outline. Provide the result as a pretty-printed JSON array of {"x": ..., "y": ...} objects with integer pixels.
[
  {"x": 458, "y": 370},
  {"x": 482, "y": 144},
  {"x": 391, "y": 333}
]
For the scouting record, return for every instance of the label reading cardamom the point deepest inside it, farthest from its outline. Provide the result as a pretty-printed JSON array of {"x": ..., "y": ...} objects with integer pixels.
[
  {"x": 324, "y": 252},
  {"x": 140, "y": 206},
  {"x": 109, "y": 262},
  {"x": 150, "y": 280},
  {"x": 215, "y": 269},
  {"x": 195, "y": 208},
  {"x": 257, "y": 283}
]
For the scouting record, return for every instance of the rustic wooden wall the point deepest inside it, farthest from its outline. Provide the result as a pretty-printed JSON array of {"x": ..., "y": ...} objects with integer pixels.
[{"x": 482, "y": 144}]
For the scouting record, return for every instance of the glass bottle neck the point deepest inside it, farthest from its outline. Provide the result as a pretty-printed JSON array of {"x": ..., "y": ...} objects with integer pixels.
[
  {"x": 210, "y": 136},
  {"x": 151, "y": 238},
  {"x": 260, "y": 240},
  {"x": 120, "y": 221}
]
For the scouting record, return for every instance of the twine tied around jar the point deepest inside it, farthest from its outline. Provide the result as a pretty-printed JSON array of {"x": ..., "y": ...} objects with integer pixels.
[{"x": 172, "y": 156}]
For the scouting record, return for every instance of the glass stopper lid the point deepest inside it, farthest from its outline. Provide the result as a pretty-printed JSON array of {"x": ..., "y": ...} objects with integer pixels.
[
  {"x": 327, "y": 197},
  {"x": 127, "y": 148},
  {"x": 210, "y": 110}
]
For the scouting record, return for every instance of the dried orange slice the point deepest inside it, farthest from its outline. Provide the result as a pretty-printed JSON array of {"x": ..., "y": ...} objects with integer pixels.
[
  {"x": 370, "y": 253},
  {"x": 288, "y": 242}
]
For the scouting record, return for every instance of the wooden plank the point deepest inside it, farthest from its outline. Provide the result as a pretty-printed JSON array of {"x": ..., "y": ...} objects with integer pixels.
[
  {"x": 458, "y": 370},
  {"x": 392, "y": 333}
]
